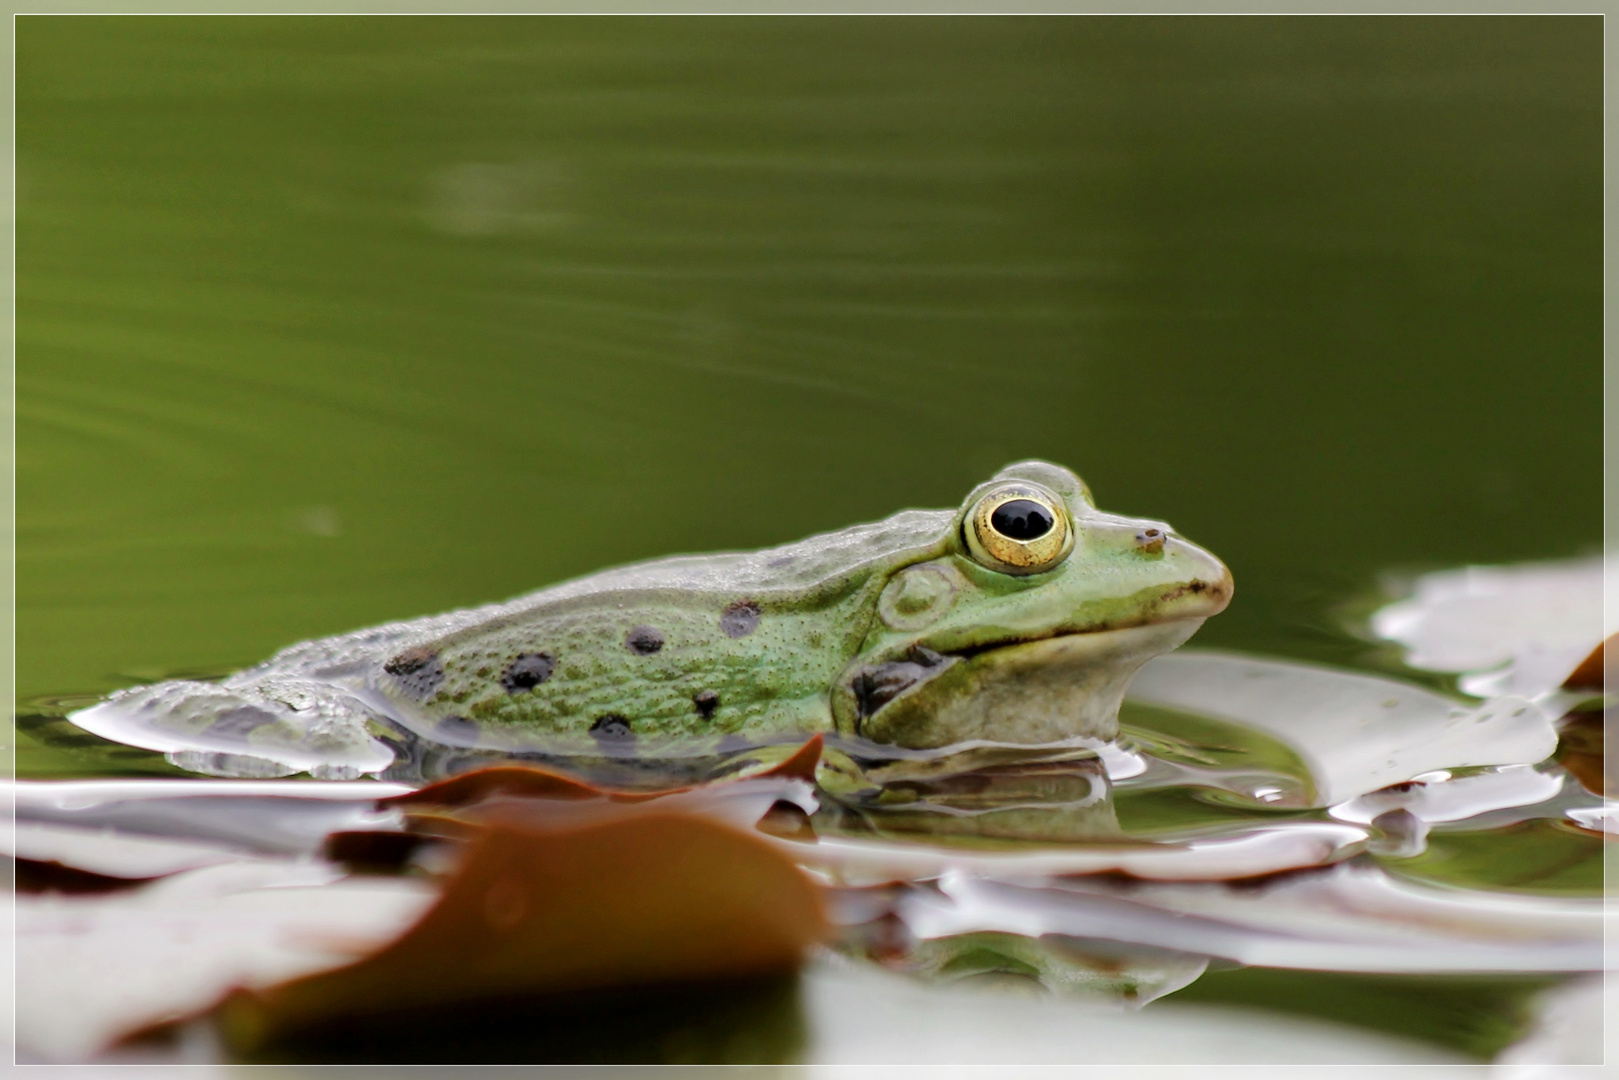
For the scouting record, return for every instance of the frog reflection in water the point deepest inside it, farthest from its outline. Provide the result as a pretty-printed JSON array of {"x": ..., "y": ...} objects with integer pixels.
[{"x": 1017, "y": 619}]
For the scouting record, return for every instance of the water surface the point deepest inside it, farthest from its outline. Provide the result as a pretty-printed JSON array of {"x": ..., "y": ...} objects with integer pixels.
[{"x": 327, "y": 321}]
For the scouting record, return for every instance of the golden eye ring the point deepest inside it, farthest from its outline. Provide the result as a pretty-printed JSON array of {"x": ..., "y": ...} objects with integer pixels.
[{"x": 1019, "y": 529}]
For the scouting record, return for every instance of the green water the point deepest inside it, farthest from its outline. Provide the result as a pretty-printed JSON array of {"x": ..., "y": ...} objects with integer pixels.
[
  {"x": 323, "y": 322},
  {"x": 326, "y": 321}
]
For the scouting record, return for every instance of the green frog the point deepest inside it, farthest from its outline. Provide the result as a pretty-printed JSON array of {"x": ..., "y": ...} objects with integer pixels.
[{"x": 1017, "y": 618}]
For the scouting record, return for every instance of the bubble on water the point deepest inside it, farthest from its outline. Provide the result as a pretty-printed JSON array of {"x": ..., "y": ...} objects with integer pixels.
[{"x": 476, "y": 199}]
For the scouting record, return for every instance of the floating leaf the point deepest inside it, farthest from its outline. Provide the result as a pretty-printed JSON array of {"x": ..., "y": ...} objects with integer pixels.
[
  {"x": 1513, "y": 629},
  {"x": 1442, "y": 798},
  {"x": 115, "y": 854},
  {"x": 267, "y": 816},
  {"x": 92, "y": 968},
  {"x": 1256, "y": 852},
  {"x": 1357, "y": 733}
]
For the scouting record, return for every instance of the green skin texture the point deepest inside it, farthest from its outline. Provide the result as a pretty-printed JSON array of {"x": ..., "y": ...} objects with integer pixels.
[
  {"x": 772, "y": 681},
  {"x": 791, "y": 673},
  {"x": 1024, "y": 660}
]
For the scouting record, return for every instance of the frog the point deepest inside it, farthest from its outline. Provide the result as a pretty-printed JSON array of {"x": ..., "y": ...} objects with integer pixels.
[{"x": 1016, "y": 619}]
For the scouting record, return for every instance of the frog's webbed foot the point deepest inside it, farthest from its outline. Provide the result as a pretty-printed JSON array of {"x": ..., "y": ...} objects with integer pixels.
[{"x": 270, "y": 726}]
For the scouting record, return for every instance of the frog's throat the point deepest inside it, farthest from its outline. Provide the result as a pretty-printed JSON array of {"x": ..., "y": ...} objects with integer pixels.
[{"x": 1027, "y": 693}]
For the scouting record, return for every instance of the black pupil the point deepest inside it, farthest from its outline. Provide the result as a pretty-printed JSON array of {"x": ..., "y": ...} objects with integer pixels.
[{"x": 1022, "y": 519}]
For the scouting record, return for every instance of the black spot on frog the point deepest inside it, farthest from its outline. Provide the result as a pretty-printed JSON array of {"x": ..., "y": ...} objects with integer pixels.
[
  {"x": 611, "y": 726},
  {"x": 706, "y": 701},
  {"x": 418, "y": 672},
  {"x": 644, "y": 640},
  {"x": 739, "y": 619},
  {"x": 526, "y": 672}
]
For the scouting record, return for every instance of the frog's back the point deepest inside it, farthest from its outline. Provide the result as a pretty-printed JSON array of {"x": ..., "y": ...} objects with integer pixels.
[
  {"x": 698, "y": 643},
  {"x": 806, "y": 570}
]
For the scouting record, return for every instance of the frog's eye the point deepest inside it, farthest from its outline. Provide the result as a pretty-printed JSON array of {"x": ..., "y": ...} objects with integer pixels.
[{"x": 1019, "y": 529}]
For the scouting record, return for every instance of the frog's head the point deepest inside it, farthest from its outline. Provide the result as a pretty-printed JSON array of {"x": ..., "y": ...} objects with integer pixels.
[{"x": 1030, "y": 625}]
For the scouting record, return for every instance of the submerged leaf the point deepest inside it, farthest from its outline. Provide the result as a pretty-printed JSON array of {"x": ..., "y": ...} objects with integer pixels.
[
  {"x": 1536, "y": 856},
  {"x": 637, "y": 898},
  {"x": 1476, "y": 1014},
  {"x": 1128, "y": 975}
]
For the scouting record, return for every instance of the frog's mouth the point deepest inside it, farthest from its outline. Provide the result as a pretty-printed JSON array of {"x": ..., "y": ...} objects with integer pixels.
[
  {"x": 1042, "y": 691},
  {"x": 1063, "y": 685}
]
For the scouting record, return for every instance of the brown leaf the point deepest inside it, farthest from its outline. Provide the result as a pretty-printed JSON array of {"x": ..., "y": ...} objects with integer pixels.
[
  {"x": 642, "y": 897},
  {"x": 1589, "y": 674},
  {"x": 522, "y": 781},
  {"x": 788, "y": 821},
  {"x": 1579, "y": 750},
  {"x": 373, "y": 851},
  {"x": 48, "y": 875},
  {"x": 801, "y": 765}
]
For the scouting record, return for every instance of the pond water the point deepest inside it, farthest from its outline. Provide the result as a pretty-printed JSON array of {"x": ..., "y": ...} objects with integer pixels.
[{"x": 323, "y": 322}]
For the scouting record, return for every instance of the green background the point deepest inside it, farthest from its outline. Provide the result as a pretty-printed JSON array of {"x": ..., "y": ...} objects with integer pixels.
[{"x": 329, "y": 321}]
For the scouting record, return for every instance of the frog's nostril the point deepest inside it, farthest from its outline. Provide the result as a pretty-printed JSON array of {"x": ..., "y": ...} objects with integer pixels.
[{"x": 1150, "y": 541}]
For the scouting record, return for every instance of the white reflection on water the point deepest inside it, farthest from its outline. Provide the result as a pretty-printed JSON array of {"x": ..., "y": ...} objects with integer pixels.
[{"x": 1352, "y": 918}]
